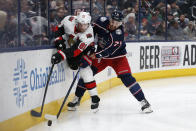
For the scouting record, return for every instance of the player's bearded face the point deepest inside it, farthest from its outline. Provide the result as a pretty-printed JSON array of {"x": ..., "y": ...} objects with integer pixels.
[
  {"x": 114, "y": 24},
  {"x": 82, "y": 27}
]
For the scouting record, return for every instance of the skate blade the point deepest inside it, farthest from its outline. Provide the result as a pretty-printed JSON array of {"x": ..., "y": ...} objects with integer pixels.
[
  {"x": 71, "y": 108},
  {"x": 95, "y": 110},
  {"x": 147, "y": 110}
]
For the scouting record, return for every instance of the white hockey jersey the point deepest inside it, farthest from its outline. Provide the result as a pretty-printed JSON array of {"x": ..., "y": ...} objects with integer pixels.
[{"x": 72, "y": 35}]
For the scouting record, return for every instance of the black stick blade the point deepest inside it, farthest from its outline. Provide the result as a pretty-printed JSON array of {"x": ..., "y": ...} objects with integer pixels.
[{"x": 35, "y": 113}]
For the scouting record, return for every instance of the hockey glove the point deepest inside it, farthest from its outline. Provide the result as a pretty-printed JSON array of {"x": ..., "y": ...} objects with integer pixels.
[
  {"x": 89, "y": 50},
  {"x": 58, "y": 57},
  {"x": 59, "y": 43},
  {"x": 73, "y": 63},
  {"x": 71, "y": 52}
]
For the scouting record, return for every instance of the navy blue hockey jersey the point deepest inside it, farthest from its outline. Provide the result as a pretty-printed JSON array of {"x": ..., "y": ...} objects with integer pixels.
[{"x": 110, "y": 43}]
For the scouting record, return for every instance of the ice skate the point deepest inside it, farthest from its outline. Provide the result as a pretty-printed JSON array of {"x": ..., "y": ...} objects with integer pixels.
[
  {"x": 73, "y": 105},
  {"x": 146, "y": 106},
  {"x": 94, "y": 107},
  {"x": 95, "y": 104}
]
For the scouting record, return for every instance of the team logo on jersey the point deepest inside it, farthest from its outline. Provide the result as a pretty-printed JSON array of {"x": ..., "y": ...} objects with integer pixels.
[
  {"x": 103, "y": 19},
  {"x": 118, "y": 31},
  {"x": 71, "y": 39},
  {"x": 89, "y": 35}
]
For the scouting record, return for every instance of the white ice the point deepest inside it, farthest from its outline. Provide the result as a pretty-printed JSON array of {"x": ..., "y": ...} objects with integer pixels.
[{"x": 173, "y": 101}]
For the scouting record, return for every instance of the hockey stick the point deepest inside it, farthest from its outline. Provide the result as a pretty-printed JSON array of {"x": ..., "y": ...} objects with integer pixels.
[
  {"x": 55, "y": 117},
  {"x": 39, "y": 114}
]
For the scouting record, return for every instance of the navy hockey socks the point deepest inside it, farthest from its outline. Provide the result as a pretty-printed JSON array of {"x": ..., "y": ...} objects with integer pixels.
[{"x": 137, "y": 92}]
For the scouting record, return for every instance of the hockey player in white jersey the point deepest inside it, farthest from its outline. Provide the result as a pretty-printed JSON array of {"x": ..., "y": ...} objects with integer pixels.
[{"x": 74, "y": 40}]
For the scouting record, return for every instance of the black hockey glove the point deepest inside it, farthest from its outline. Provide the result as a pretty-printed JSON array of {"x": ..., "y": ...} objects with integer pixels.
[
  {"x": 60, "y": 44},
  {"x": 90, "y": 49},
  {"x": 73, "y": 63},
  {"x": 57, "y": 57},
  {"x": 70, "y": 51}
]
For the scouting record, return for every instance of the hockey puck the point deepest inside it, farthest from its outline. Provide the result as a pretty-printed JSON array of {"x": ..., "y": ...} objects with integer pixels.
[{"x": 49, "y": 123}]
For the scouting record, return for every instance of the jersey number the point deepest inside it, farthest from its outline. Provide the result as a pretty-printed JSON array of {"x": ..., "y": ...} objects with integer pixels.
[{"x": 82, "y": 46}]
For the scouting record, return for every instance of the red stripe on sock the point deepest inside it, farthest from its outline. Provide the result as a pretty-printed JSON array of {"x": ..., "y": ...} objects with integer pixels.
[{"x": 90, "y": 85}]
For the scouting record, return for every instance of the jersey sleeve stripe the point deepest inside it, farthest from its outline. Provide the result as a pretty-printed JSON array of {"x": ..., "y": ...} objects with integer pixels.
[
  {"x": 117, "y": 48},
  {"x": 88, "y": 60},
  {"x": 100, "y": 26},
  {"x": 77, "y": 52},
  {"x": 59, "y": 38},
  {"x": 62, "y": 54}
]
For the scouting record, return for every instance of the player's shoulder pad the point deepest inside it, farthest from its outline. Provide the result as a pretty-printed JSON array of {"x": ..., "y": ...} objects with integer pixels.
[
  {"x": 68, "y": 22},
  {"x": 67, "y": 19},
  {"x": 87, "y": 36},
  {"x": 102, "y": 20}
]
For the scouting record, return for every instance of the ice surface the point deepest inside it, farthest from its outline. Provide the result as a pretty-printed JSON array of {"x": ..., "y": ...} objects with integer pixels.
[{"x": 173, "y": 101}]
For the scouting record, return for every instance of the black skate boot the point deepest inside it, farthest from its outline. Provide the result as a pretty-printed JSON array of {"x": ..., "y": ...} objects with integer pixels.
[
  {"x": 146, "y": 106},
  {"x": 73, "y": 105},
  {"x": 95, "y": 104}
]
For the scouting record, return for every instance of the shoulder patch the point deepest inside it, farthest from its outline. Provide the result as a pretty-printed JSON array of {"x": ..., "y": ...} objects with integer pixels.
[
  {"x": 102, "y": 19},
  {"x": 89, "y": 35},
  {"x": 118, "y": 31},
  {"x": 71, "y": 18}
]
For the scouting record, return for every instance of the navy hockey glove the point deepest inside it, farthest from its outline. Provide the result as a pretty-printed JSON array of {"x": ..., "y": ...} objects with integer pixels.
[{"x": 57, "y": 57}]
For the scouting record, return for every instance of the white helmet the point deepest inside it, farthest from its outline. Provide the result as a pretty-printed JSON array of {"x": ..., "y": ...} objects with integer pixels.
[{"x": 84, "y": 18}]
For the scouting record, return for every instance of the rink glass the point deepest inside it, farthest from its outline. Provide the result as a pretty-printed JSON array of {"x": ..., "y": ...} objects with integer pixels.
[{"x": 144, "y": 20}]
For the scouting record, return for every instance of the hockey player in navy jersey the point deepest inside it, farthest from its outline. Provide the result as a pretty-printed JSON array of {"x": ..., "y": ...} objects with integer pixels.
[{"x": 111, "y": 52}]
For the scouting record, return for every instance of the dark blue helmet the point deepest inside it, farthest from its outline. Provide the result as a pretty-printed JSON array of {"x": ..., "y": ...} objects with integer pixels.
[{"x": 117, "y": 15}]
